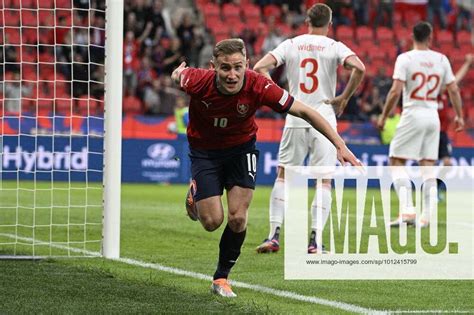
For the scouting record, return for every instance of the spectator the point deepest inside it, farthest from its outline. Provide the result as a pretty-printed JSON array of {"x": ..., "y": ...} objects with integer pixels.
[
  {"x": 249, "y": 38},
  {"x": 372, "y": 105},
  {"x": 152, "y": 99},
  {"x": 142, "y": 14},
  {"x": 337, "y": 7},
  {"x": 145, "y": 76},
  {"x": 159, "y": 26},
  {"x": 205, "y": 55},
  {"x": 382, "y": 81},
  {"x": 361, "y": 9},
  {"x": 436, "y": 8},
  {"x": 173, "y": 56},
  {"x": 465, "y": 9},
  {"x": 14, "y": 91},
  {"x": 273, "y": 38},
  {"x": 181, "y": 116},
  {"x": 186, "y": 34},
  {"x": 384, "y": 13}
]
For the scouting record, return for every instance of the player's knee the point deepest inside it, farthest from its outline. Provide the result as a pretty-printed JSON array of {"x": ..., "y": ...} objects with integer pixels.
[
  {"x": 211, "y": 223},
  {"x": 237, "y": 223}
]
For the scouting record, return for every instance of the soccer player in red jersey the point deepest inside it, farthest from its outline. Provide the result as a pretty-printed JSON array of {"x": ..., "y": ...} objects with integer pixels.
[
  {"x": 222, "y": 134},
  {"x": 445, "y": 149}
]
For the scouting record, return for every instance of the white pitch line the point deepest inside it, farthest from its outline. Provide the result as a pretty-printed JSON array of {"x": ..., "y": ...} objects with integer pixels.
[
  {"x": 430, "y": 312},
  {"x": 287, "y": 294}
]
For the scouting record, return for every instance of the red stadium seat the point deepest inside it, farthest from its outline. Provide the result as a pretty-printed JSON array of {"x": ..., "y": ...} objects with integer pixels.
[
  {"x": 47, "y": 4},
  {"x": 211, "y": 11},
  {"x": 345, "y": 33},
  {"x": 444, "y": 40},
  {"x": 31, "y": 4},
  {"x": 28, "y": 53},
  {"x": 29, "y": 18},
  {"x": 82, "y": 107},
  {"x": 364, "y": 35},
  {"x": 464, "y": 38},
  {"x": 231, "y": 13},
  {"x": 132, "y": 105},
  {"x": 46, "y": 17},
  {"x": 12, "y": 35},
  {"x": 272, "y": 10},
  {"x": 64, "y": 4},
  {"x": 411, "y": 18},
  {"x": 29, "y": 36},
  {"x": 251, "y": 13},
  {"x": 63, "y": 107},
  {"x": 201, "y": 3},
  {"x": 44, "y": 107},
  {"x": 12, "y": 18},
  {"x": 377, "y": 54},
  {"x": 384, "y": 34}
]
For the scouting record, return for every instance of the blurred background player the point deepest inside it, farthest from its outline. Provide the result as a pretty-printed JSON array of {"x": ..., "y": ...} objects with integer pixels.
[
  {"x": 311, "y": 65},
  {"x": 420, "y": 73},
  {"x": 222, "y": 134},
  {"x": 445, "y": 148}
]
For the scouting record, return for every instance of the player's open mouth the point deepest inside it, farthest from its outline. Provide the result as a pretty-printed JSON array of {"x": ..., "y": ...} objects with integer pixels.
[{"x": 231, "y": 84}]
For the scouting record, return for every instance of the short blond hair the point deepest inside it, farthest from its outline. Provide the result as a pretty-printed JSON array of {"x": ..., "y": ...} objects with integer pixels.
[{"x": 228, "y": 47}]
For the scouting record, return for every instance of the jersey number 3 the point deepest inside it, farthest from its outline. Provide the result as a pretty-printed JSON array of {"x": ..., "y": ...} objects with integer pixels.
[{"x": 311, "y": 83}]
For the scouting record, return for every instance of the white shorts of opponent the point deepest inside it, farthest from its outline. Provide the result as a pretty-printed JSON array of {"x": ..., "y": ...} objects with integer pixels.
[
  {"x": 417, "y": 135},
  {"x": 298, "y": 143}
]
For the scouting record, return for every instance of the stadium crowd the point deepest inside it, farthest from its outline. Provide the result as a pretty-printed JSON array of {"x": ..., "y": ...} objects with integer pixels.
[
  {"x": 159, "y": 37},
  {"x": 160, "y": 34}
]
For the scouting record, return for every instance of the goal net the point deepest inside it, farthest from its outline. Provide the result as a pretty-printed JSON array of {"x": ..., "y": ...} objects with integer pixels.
[{"x": 52, "y": 100}]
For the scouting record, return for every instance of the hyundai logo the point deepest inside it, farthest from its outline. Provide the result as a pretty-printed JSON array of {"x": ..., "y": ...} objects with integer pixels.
[{"x": 161, "y": 151}]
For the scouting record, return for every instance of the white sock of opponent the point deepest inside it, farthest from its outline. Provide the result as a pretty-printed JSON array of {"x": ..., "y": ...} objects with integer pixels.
[
  {"x": 403, "y": 188},
  {"x": 320, "y": 213},
  {"x": 277, "y": 206}
]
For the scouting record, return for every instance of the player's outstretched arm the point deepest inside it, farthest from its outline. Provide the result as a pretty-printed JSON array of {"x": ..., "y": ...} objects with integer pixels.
[
  {"x": 455, "y": 98},
  {"x": 305, "y": 112},
  {"x": 176, "y": 74},
  {"x": 265, "y": 65},
  {"x": 358, "y": 71},
  {"x": 461, "y": 73},
  {"x": 392, "y": 100}
]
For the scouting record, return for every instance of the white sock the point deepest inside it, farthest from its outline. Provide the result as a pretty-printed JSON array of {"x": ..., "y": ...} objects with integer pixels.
[
  {"x": 320, "y": 210},
  {"x": 404, "y": 192},
  {"x": 277, "y": 206},
  {"x": 430, "y": 199}
]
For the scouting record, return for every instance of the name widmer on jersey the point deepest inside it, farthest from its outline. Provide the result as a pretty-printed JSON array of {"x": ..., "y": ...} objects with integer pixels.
[{"x": 311, "y": 47}]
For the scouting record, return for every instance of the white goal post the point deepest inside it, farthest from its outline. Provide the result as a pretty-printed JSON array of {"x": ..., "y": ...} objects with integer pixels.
[
  {"x": 113, "y": 128},
  {"x": 60, "y": 128}
]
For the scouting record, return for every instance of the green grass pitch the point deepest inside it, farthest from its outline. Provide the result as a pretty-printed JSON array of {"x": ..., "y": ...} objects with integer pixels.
[{"x": 156, "y": 230}]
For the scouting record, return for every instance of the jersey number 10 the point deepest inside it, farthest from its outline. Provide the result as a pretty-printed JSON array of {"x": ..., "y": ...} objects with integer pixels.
[{"x": 312, "y": 80}]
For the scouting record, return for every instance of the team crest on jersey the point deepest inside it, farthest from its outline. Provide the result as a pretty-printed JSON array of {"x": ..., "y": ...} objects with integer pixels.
[{"x": 243, "y": 109}]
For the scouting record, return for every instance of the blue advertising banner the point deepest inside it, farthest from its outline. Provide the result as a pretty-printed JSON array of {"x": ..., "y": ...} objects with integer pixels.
[
  {"x": 48, "y": 157},
  {"x": 80, "y": 158}
]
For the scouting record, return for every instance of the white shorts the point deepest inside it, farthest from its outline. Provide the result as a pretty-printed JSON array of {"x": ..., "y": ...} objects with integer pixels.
[
  {"x": 298, "y": 143},
  {"x": 417, "y": 135}
]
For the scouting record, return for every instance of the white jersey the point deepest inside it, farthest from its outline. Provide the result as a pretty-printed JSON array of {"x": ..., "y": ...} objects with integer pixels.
[
  {"x": 311, "y": 66},
  {"x": 424, "y": 73}
]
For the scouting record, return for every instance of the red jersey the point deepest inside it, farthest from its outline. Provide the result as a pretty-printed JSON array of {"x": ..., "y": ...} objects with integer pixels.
[{"x": 218, "y": 121}]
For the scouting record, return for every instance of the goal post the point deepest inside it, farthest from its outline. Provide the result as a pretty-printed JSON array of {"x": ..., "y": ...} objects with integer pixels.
[
  {"x": 60, "y": 127},
  {"x": 113, "y": 128}
]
